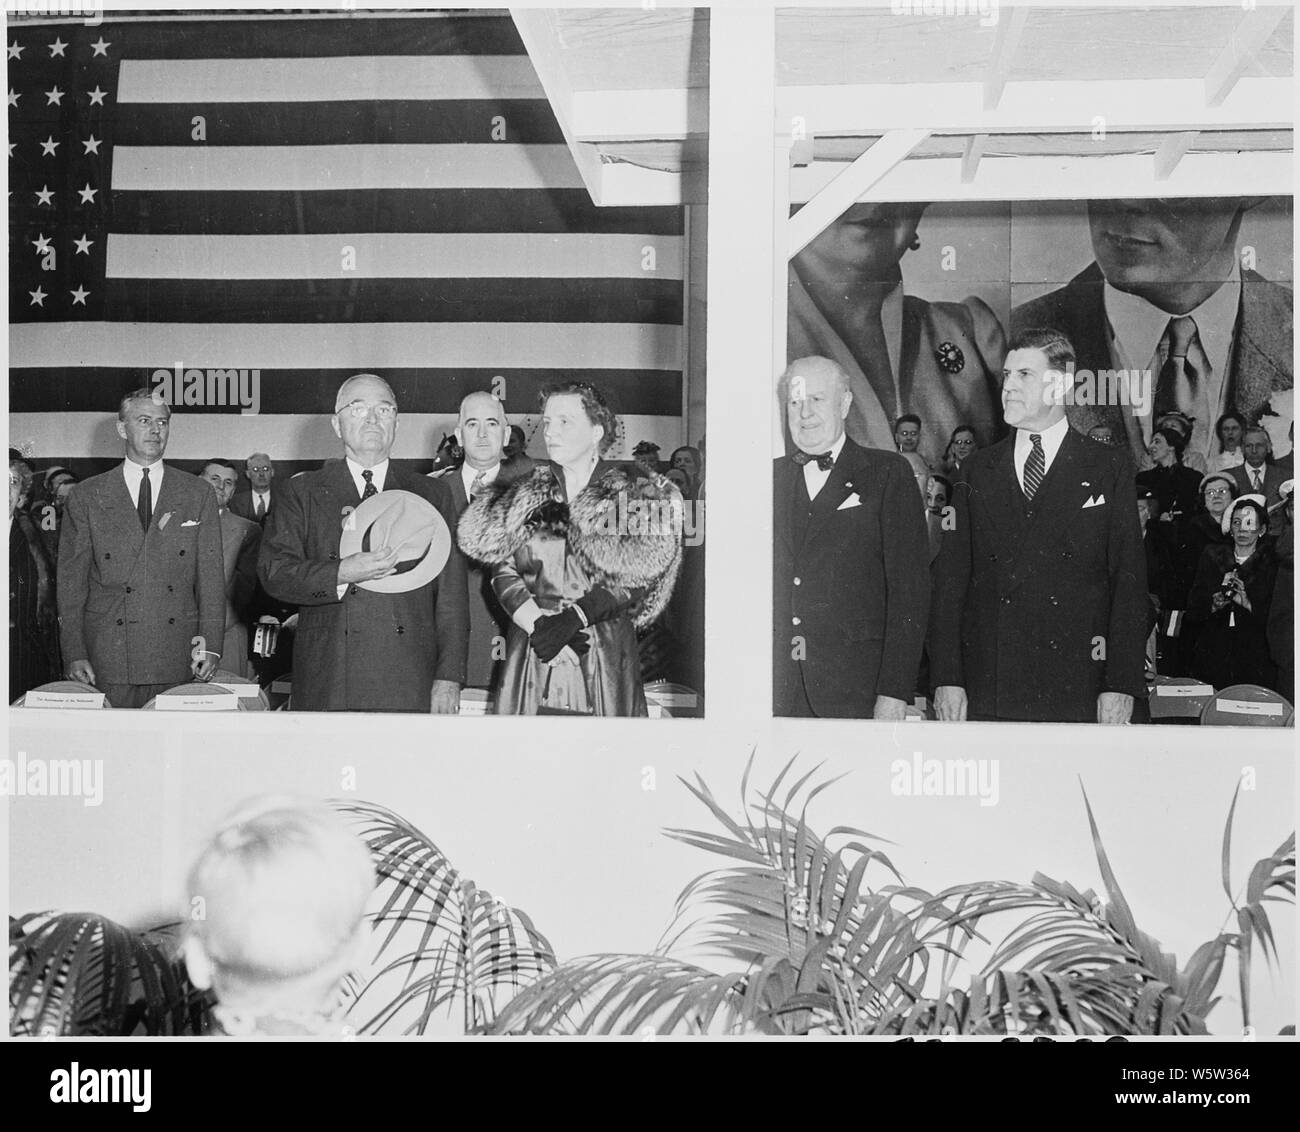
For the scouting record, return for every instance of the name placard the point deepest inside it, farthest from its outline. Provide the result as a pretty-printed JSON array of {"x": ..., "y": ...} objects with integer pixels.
[
  {"x": 244, "y": 691},
  {"x": 196, "y": 703},
  {"x": 76, "y": 700},
  {"x": 1184, "y": 690},
  {"x": 1249, "y": 707}
]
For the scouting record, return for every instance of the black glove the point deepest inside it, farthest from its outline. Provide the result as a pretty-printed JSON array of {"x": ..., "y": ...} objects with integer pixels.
[
  {"x": 551, "y": 633},
  {"x": 598, "y": 605}
]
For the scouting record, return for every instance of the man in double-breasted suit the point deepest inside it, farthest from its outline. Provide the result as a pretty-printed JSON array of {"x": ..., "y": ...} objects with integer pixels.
[
  {"x": 1039, "y": 603},
  {"x": 850, "y": 564},
  {"x": 1167, "y": 295},
  {"x": 481, "y": 431},
  {"x": 141, "y": 590},
  {"x": 357, "y": 649}
]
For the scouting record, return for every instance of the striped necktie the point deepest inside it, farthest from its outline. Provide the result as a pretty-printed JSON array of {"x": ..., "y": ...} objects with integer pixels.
[{"x": 1035, "y": 466}]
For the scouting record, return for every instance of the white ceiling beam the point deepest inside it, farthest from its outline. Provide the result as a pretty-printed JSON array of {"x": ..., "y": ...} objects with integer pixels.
[
  {"x": 1249, "y": 36},
  {"x": 623, "y": 184},
  {"x": 849, "y": 185},
  {"x": 1004, "y": 55},
  {"x": 970, "y": 158},
  {"x": 639, "y": 115},
  {"x": 1171, "y": 152},
  {"x": 540, "y": 34},
  {"x": 1062, "y": 178},
  {"x": 1065, "y": 105}
]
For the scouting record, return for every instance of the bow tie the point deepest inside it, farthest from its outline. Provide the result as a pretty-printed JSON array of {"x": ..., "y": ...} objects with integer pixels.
[{"x": 825, "y": 460}]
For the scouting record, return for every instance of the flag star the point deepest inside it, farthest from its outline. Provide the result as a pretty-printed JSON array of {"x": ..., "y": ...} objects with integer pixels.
[
  {"x": 79, "y": 296},
  {"x": 38, "y": 298},
  {"x": 96, "y": 96},
  {"x": 45, "y": 195},
  {"x": 41, "y": 243},
  {"x": 83, "y": 245},
  {"x": 13, "y": 98},
  {"x": 87, "y": 194},
  {"x": 56, "y": 48},
  {"x": 101, "y": 48},
  {"x": 15, "y": 50},
  {"x": 54, "y": 94},
  {"x": 48, "y": 146},
  {"x": 92, "y": 145},
  {"x": 11, "y": 148}
]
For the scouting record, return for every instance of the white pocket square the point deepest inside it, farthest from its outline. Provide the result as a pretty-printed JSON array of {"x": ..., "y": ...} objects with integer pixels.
[
  {"x": 854, "y": 500},
  {"x": 1094, "y": 501},
  {"x": 191, "y": 522}
]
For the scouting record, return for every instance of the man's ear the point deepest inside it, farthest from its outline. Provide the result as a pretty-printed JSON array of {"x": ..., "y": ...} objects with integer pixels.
[
  {"x": 197, "y": 962},
  {"x": 121, "y": 429},
  {"x": 845, "y": 402},
  {"x": 334, "y": 424}
]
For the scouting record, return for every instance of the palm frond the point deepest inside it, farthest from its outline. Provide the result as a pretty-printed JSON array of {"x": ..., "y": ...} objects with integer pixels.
[{"x": 443, "y": 942}]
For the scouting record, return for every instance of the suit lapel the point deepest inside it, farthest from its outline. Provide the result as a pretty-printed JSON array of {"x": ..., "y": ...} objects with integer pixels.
[
  {"x": 338, "y": 484},
  {"x": 115, "y": 499},
  {"x": 783, "y": 487},
  {"x": 1254, "y": 370},
  {"x": 845, "y": 478},
  {"x": 1005, "y": 500}
]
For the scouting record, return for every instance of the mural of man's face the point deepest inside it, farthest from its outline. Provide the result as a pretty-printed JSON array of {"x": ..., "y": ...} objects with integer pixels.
[
  {"x": 1162, "y": 243},
  {"x": 865, "y": 242}
]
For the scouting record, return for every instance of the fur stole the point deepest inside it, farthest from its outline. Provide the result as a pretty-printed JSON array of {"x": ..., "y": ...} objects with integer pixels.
[{"x": 625, "y": 530}]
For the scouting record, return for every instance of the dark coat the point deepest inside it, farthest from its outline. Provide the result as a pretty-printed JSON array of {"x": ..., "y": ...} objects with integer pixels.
[
  {"x": 33, "y": 618},
  {"x": 1232, "y": 644},
  {"x": 1177, "y": 488},
  {"x": 241, "y": 504},
  {"x": 1039, "y": 608},
  {"x": 488, "y": 623},
  {"x": 364, "y": 651},
  {"x": 1274, "y": 478},
  {"x": 849, "y": 585},
  {"x": 1261, "y": 357},
  {"x": 130, "y": 602}
]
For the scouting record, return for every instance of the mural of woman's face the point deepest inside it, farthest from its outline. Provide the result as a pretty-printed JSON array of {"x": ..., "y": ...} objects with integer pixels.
[{"x": 865, "y": 242}]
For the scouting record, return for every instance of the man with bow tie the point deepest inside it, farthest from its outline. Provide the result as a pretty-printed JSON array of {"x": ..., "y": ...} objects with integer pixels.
[
  {"x": 1040, "y": 603},
  {"x": 851, "y": 561}
]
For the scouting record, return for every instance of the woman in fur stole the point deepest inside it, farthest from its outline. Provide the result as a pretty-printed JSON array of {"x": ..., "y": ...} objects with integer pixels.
[{"x": 583, "y": 553}]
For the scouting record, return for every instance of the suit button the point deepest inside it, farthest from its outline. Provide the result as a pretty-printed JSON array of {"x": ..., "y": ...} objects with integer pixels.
[
  {"x": 107, "y": 557},
  {"x": 400, "y": 630},
  {"x": 1067, "y": 554},
  {"x": 993, "y": 557},
  {"x": 169, "y": 589},
  {"x": 119, "y": 621},
  {"x": 795, "y": 621},
  {"x": 171, "y": 621},
  {"x": 353, "y": 590},
  {"x": 182, "y": 554},
  {"x": 128, "y": 589},
  {"x": 798, "y": 582},
  {"x": 1006, "y": 601},
  {"x": 334, "y": 555},
  {"x": 1053, "y": 601}
]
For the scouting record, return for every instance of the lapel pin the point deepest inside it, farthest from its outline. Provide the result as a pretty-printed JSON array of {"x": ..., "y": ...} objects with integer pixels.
[{"x": 950, "y": 357}]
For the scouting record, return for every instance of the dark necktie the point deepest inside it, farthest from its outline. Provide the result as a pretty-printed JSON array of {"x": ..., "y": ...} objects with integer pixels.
[
  {"x": 1035, "y": 466},
  {"x": 825, "y": 460},
  {"x": 144, "y": 502},
  {"x": 260, "y": 513},
  {"x": 1257, "y": 478},
  {"x": 1176, "y": 386},
  {"x": 369, "y": 477}
]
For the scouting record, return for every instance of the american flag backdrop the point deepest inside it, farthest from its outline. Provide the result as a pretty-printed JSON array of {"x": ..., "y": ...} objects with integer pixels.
[{"x": 307, "y": 198}]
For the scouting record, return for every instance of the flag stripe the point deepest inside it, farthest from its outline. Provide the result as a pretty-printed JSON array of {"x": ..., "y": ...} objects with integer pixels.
[
  {"x": 344, "y": 301},
  {"x": 411, "y": 77},
  {"x": 474, "y": 345},
  {"x": 363, "y": 255},
  {"x": 496, "y": 120},
  {"x": 306, "y": 168},
  {"x": 384, "y": 210},
  {"x": 305, "y": 437},
  {"x": 293, "y": 38},
  {"x": 281, "y": 391}
]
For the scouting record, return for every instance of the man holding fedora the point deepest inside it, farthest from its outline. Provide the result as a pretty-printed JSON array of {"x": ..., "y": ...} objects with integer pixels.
[{"x": 364, "y": 549}]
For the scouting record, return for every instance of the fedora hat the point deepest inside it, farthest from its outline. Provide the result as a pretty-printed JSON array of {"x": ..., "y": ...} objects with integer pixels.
[{"x": 411, "y": 525}]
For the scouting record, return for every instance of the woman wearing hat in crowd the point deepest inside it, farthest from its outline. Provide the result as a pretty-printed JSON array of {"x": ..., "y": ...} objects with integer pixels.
[
  {"x": 1229, "y": 601},
  {"x": 583, "y": 553},
  {"x": 1176, "y": 487}
]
